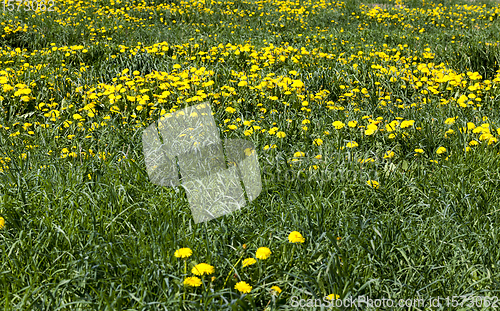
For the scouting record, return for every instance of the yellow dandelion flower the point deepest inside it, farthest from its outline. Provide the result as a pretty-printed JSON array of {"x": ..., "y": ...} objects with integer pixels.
[
  {"x": 407, "y": 123},
  {"x": 183, "y": 252},
  {"x": 352, "y": 144},
  {"x": 243, "y": 287},
  {"x": 297, "y": 83},
  {"x": 248, "y": 262},
  {"x": 333, "y": 296},
  {"x": 338, "y": 125},
  {"x": 192, "y": 281},
  {"x": 373, "y": 183},
  {"x": 318, "y": 142},
  {"x": 352, "y": 123},
  {"x": 2, "y": 222},
  {"x": 202, "y": 268},
  {"x": 441, "y": 150},
  {"x": 450, "y": 121},
  {"x": 369, "y": 132},
  {"x": 296, "y": 237},
  {"x": 389, "y": 154},
  {"x": 281, "y": 134},
  {"x": 263, "y": 253},
  {"x": 249, "y": 151},
  {"x": 485, "y": 136},
  {"x": 276, "y": 289}
]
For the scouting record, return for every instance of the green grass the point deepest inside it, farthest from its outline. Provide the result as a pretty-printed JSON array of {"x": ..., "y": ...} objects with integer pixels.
[{"x": 93, "y": 233}]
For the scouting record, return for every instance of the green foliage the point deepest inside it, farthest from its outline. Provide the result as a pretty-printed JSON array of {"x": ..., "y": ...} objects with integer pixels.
[{"x": 90, "y": 232}]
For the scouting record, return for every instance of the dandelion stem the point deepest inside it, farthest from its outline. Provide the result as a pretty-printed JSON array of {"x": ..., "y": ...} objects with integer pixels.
[
  {"x": 232, "y": 271},
  {"x": 185, "y": 274}
]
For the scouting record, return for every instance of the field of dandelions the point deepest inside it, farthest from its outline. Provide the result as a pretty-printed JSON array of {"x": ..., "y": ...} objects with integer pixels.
[{"x": 376, "y": 124}]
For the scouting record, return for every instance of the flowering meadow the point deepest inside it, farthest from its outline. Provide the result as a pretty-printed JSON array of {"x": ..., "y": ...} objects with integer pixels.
[{"x": 376, "y": 123}]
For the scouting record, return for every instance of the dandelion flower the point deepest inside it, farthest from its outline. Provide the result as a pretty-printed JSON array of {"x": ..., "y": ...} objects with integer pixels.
[
  {"x": 296, "y": 237},
  {"x": 202, "y": 268},
  {"x": 369, "y": 132},
  {"x": 248, "y": 262},
  {"x": 338, "y": 125},
  {"x": 297, "y": 83},
  {"x": 249, "y": 151},
  {"x": 450, "y": 121},
  {"x": 389, "y": 154},
  {"x": 276, "y": 289},
  {"x": 281, "y": 134},
  {"x": 183, "y": 252},
  {"x": 373, "y": 183},
  {"x": 352, "y": 123},
  {"x": 370, "y": 129},
  {"x": 332, "y": 296},
  {"x": 2, "y": 222},
  {"x": 243, "y": 287},
  {"x": 352, "y": 144},
  {"x": 418, "y": 150},
  {"x": 441, "y": 150},
  {"x": 263, "y": 253},
  {"x": 318, "y": 142},
  {"x": 485, "y": 136},
  {"x": 192, "y": 281},
  {"x": 407, "y": 123}
]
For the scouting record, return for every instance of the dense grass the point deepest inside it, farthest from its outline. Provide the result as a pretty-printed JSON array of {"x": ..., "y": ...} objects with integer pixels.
[{"x": 85, "y": 229}]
